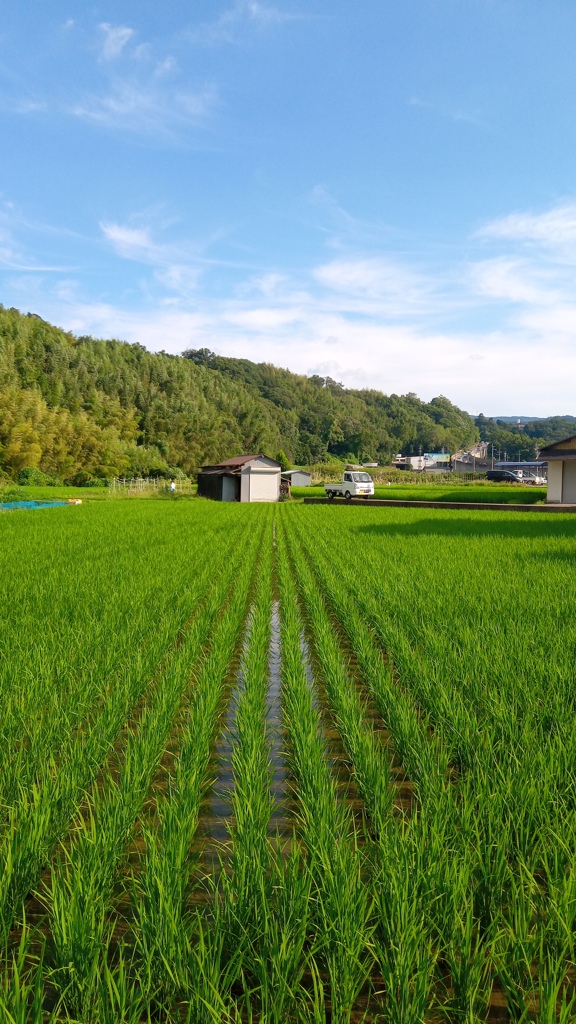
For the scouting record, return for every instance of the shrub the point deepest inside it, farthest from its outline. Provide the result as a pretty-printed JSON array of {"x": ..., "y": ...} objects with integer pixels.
[{"x": 29, "y": 477}]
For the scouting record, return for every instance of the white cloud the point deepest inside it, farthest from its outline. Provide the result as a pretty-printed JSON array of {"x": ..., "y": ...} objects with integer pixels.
[
  {"x": 481, "y": 330},
  {"x": 377, "y": 283},
  {"x": 554, "y": 229},
  {"x": 515, "y": 280},
  {"x": 115, "y": 38},
  {"x": 131, "y": 243},
  {"x": 228, "y": 27},
  {"x": 165, "y": 67},
  {"x": 146, "y": 108},
  {"x": 176, "y": 267}
]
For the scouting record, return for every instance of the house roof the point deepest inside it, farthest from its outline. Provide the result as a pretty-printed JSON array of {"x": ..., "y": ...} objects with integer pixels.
[
  {"x": 234, "y": 466},
  {"x": 241, "y": 460},
  {"x": 564, "y": 449},
  {"x": 288, "y": 472}
]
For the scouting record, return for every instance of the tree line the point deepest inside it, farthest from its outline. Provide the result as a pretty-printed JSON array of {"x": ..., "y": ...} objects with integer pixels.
[{"x": 81, "y": 409}]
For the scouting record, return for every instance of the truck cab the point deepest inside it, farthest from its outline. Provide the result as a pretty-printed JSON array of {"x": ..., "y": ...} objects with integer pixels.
[{"x": 354, "y": 485}]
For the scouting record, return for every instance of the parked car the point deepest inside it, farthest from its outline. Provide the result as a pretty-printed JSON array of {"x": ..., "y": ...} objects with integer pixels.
[
  {"x": 503, "y": 476},
  {"x": 354, "y": 485}
]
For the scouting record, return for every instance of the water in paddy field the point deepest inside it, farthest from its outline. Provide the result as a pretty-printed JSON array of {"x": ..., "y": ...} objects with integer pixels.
[
  {"x": 278, "y": 821},
  {"x": 218, "y": 812},
  {"x": 307, "y": 661}
]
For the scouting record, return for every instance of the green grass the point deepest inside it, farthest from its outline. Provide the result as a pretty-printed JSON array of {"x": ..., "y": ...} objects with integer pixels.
[
  {"x": 480, "y": 492},
  {"x": 14, "y": 492},
  {"x": 427, "y": 646}
]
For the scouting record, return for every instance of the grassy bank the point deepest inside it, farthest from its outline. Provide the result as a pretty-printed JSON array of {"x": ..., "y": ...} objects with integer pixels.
[{"x": 61, "y": 493}]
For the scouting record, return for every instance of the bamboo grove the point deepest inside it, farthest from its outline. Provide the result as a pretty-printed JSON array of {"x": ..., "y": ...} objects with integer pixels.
[{"x": 286, "y": 764}]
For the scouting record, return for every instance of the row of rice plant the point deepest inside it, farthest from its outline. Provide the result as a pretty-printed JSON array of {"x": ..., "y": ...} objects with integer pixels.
[
  {"x": 172, "y": 959},
  {"x": 41, "y": 815},
  {"x": 81, "y": 886},
  {"x": 339, "y": 901},
  {"x": 499, "y": 888}
]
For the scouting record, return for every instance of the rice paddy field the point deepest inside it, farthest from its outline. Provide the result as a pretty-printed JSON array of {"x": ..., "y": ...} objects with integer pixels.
[
  {"x": 286, "y": 764},
  {"x": 482, "y": 491}
]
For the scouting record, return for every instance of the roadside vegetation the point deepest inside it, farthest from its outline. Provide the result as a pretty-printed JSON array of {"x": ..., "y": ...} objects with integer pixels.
[{"x": 505, "y": 494}]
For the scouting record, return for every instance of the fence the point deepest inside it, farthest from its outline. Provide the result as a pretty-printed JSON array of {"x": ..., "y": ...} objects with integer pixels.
[{"x": 149, "y": 483}]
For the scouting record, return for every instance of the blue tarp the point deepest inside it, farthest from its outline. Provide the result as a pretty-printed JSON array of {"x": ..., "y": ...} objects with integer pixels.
[{"x": 6, "y": 506}]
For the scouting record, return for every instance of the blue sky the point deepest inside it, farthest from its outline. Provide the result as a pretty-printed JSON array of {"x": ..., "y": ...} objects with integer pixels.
[{"x": 380, "y": 190}]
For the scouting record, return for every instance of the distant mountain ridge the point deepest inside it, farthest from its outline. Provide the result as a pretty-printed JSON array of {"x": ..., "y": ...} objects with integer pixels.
[{"x": 533, "y": 419}]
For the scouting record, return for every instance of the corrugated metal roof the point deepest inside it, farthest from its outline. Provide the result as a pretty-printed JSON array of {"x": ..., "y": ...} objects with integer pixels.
[
  {"x": 567, "y": 444},
  {"x": 220, "y": 471},
  {"x": 240, "y": 460},
  {"x": 232, "y": 467}
]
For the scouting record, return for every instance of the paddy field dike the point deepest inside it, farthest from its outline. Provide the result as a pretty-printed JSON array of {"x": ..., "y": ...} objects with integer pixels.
[{"x": 293, "y": 763}]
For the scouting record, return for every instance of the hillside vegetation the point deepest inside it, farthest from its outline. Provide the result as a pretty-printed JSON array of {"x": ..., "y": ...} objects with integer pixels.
[
  {"x": 75, "y": 408},
  {"x": 78, "y": 409}
]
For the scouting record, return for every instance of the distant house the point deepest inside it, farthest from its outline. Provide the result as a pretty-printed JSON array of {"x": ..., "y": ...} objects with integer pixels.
[
  {"x": 298, "y": 477},
  {"x": 473, "y": 460},
  {"x": 243, "y": 478},
  {"x": 561, "y": 459}
]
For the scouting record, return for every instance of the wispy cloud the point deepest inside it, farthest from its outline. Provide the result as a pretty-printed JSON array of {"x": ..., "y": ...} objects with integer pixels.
[
  {"x": 176, "y": 267},
  {"x": 450, "y": 111},
  {"x": 371, "y": 284},
  {"x": 142, "y": 93},
  {"x": 465, "y": 328},
  {"x": 146, "y": 107},
  {"x": 230, "y": 24},
  {"x": 555, "y": 229},
  {"x": 114, "y": 39},
  {"x": 134, "y": 90},
  {"x": 14, "y": 255}
]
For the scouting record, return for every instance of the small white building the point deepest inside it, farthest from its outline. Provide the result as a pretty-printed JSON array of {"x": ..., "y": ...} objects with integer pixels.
[
  {"x": 242, "y": 478},
  {"x": 561, "y": 459},
  {"x": 298, "y": 477}
]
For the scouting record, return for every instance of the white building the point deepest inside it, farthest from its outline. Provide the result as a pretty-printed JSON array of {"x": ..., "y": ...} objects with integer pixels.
[
  {"x": 242, "y": 478},
  {"x": 298, "y": 477},
  {"x": 561, "y": 459}
]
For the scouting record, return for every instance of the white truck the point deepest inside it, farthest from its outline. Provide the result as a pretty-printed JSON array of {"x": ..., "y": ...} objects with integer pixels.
[{"x": 354, "y": 485}]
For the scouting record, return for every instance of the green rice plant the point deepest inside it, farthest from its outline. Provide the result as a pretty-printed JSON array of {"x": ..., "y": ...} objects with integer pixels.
[
  {"x": 22, "y": 984},
  {"x": 505, "y": 727},
  {"x": 403, "y": 940},
  {"x": 39, "y": 814},
  {"x": 342, "y": 905},
  {"x": 162, "y": 922},
  {"x": 54, "y": 682},
  {"x": 81, "y": 884},
  {"x": 369, "y": 761},
  {"x": 122, "y": 998},
  {"x": 469, "y": 963},
  {"x": 556, "y": 999},
  {"x": 213, "y": 973},
  {"x": 516, "y": 945},
  {"x": 264, "y": 897}
]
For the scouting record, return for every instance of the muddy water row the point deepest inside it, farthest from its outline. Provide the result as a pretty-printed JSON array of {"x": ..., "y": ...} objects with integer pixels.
[{"x": 214, "y": 839}]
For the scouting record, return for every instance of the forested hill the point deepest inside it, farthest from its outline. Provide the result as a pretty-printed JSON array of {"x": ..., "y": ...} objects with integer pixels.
[{"x": 75, "y": 408}]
